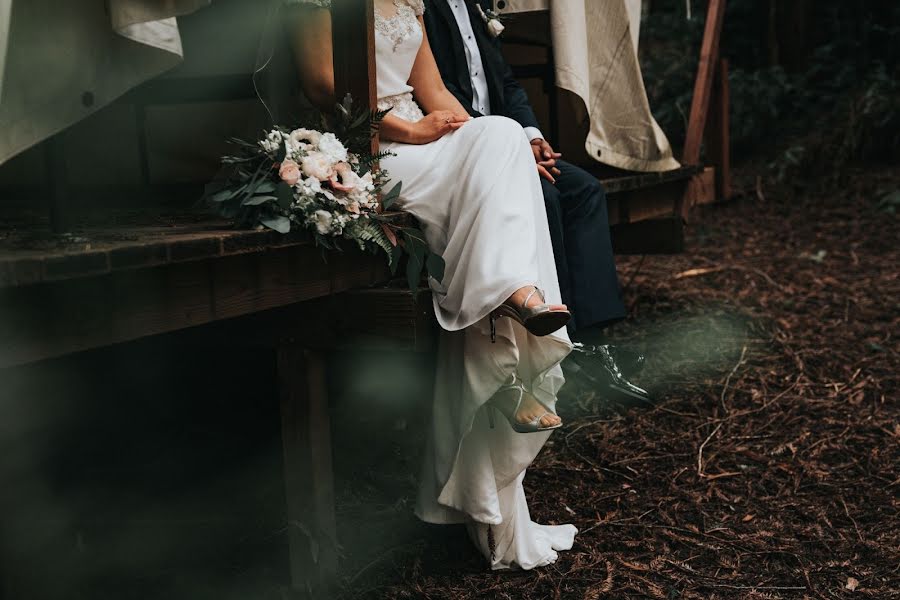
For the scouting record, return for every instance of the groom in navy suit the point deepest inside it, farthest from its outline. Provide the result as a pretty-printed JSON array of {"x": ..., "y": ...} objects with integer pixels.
[{"x": 473, "y": 68}]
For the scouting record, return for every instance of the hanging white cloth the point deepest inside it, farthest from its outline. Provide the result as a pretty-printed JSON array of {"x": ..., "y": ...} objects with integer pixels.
[
  {"x": 65, "y": 60},
  {"x": 594, "y": 61},
  {"x": 5, "y": 20}
]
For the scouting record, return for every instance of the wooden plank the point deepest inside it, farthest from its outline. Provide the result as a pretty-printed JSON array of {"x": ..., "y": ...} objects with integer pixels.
[
  {"x": 53, "y": 319},
  {"x": 709, "y": 60},
  {"x": 396, "y": 321},
  {"x": 308, "y": 478},
  {"x": 661, "y": 200},
  {"x": 718, "y": 139},
  {"x": 115, "y": 249},
  {"x": 635, "y": 181}
]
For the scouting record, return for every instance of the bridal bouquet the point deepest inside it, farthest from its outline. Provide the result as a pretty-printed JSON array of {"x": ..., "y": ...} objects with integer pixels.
[{"x": 324, "y": 181}]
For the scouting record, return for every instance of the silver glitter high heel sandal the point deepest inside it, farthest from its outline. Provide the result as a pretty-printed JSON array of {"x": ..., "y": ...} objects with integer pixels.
[
  {"x": 540, "y": 320},
  {"x": 533, "y": 426}
]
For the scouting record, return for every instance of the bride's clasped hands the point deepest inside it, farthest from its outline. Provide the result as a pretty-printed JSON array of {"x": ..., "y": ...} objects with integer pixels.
[{"x": 433, "y": 127}]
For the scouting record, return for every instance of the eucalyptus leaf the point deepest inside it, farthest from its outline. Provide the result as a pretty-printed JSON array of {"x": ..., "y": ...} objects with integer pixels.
[
  {"x": 392, "y": 196},
  {"x": 435, "y": 265},
  {"x": 285, "y": 195},
  {"x": 413, "y": 272},
  {"x": 257, "y": 200},
  {"x": 264, "y": 187},
  {"x": 226, "y": 194},
  {"x": 277, "y": 223}
]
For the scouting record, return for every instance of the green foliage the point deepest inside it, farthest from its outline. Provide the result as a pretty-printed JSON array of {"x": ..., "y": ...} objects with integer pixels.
[
  {"x": 840, "y": 105},
  {"x": 889, "y": 203}
]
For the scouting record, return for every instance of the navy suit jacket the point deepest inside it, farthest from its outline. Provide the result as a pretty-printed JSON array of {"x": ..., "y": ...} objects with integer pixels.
[{"x": 507, "y": 97}]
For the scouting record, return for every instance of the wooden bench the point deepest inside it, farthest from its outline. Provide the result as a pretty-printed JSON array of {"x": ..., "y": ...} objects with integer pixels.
[
  {"x": 143, "y": 274},
  {"x": 222, "y": 286}
]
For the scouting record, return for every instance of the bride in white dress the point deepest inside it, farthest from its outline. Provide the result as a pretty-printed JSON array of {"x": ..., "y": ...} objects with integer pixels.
[{"x": 473, "y": 186}]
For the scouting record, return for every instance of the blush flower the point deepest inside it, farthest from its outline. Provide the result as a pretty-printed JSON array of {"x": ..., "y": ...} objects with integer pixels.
[
  {"x": 344, "y": 179},
  {"x": 316, "y": 164},
  {"x": 289, "y": 171}
]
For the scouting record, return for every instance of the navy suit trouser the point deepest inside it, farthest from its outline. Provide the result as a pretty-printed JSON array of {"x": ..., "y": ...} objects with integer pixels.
[{"x": 579, "y": 231}]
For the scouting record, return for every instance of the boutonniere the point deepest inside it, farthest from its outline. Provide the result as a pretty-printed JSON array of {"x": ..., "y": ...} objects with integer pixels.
[{"x": 491, "y": 21}]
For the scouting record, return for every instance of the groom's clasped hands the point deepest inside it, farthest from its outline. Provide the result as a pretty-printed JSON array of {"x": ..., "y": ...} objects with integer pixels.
[{"x": 545, "y": 157}]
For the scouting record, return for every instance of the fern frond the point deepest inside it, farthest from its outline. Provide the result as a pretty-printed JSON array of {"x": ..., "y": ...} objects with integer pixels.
[{"x": 368, "y": 231}]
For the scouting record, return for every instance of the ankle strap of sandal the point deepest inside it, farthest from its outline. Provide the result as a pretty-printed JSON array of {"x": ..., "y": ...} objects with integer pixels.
[{"x": 536, "y": 290}]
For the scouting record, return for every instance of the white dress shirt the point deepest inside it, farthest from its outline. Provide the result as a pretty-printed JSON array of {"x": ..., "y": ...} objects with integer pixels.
[{"x": 481, "y": 100}]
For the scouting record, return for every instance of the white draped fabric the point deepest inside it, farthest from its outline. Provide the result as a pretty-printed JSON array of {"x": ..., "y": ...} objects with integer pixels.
[
  {"x": 477, "y": 195},
  {"x": 5, "y": 20},
  {"x": 65, "y": 60},
  {"x": 594, "y": 61}
]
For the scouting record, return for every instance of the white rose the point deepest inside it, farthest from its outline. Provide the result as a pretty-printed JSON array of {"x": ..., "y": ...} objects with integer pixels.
[
  {"x": 495, "y": 27},
  {"x": 332, "y": 147},
  {"x": 316, "y": 164},
  {"x": 302, "y": 139},
  {"x": 323, "y": 221}
]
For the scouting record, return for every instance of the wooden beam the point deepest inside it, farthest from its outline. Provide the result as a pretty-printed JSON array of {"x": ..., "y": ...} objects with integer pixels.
[
  {"x": 709, "y": 59},
  {"x": 701, "y": 189},
  {"x": 718, "y": 139},
  {"x": 53, "y": 319},
  {"x": 353, "y": 40},
  {"x": 308, "y": 478}
]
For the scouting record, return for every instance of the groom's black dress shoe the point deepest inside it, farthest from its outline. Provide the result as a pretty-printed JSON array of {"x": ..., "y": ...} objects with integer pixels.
[
  {"x": 607, "y": 369},
  {"x": 629, "y": 362}
]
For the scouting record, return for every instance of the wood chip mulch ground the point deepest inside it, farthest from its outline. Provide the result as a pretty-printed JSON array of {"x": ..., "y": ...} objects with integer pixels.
[{"x": 769, "y": 466}]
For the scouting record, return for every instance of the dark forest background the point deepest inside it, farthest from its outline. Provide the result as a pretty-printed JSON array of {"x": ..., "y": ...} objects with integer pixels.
[{"x": 815, "y": 84}]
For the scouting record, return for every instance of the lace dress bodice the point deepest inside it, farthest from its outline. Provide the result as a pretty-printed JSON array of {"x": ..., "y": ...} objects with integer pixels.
[{"x": 398, "y": 38}]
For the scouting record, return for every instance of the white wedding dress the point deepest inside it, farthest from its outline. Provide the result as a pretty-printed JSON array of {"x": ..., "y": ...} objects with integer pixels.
[{"x": 477, "y": 196}]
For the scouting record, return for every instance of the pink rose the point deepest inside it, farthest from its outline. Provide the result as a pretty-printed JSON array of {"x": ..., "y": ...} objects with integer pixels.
[
  {"x": 289, "y": 171},
  {"x": 344, "y": 179}
]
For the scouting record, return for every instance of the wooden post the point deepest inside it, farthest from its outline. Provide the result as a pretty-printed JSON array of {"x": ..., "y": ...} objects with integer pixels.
[
  {"x": 353, "y": 41},
  {"x": 709, "y": 59},
  {"x": 308, "y": 479},
  {"x": 718, "y": 140}
]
